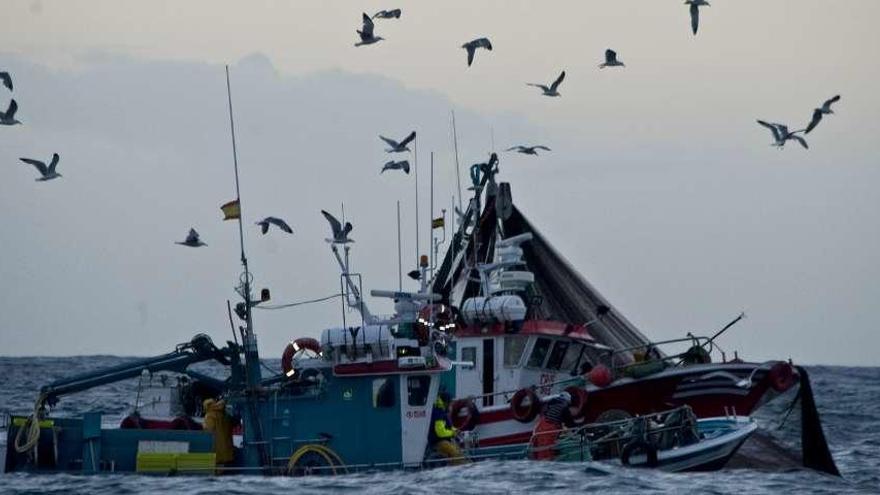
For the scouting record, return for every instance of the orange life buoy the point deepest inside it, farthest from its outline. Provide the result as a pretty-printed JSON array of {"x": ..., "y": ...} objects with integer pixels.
[
  {"x": 525, "y": 405},
  {"x": 600, "y": 376},
  {"x": 781, "y": 376},
  {"x": 578, "y": 407},
  {"x": 297, "y": 345},
  {"x": 464, "y": 414}
]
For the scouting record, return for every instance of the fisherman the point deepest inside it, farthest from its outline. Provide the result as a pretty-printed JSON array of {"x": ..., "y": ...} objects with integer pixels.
[
  {"x": 556, "y": 416},
  {"x": 441, "y": 434}
]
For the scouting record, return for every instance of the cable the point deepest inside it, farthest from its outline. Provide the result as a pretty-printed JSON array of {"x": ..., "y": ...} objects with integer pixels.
[{"x": 299, "y": 303}]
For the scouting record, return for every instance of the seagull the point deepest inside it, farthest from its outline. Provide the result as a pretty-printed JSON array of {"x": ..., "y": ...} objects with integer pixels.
[
  {"x": 192, "y": 240},
  {"x": 695, "y": 12},
  {"x": 527, "y": 150},
  {"x": 398, "y": 147},
  {"x": 7, "y": 80},
  {"x": 340, "y": 235},
  {"x": 387, "y": 14},
  {"x": 471, "y": 47},
  {"x": 392, "y": 165},
  {"x": 781, "y": 134},
  {"x": 281, "y": 224},
  {"x": 611, "y": 60},
  {"x": 47, "y": 173},
  {"x": 366, "y": 33},
  {"x": 819, "y": 112},
  {"x": 552, "y": 90},
  {"x": 8, "y": 118}
]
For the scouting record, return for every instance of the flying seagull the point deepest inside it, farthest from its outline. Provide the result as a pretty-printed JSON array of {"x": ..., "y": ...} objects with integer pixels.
[
  {"x": 366, "y": 33},
  {"x": 781, "y": 134},
  {"x": 552, "y": 89},
  {"x": 7, "y": 80},
  {"x": 527, "y": 150},
  {"x": 340, "y": 235},
  {"x": 46, "y": 173},
  {"x": 392, "y": 165},
  {"x": 695, "y": 12},
  {"x": 611, "y": 60},
  {"x": 192, "y": 240},
  {"x": 398, "y": 147},
  {"x": 8, "y": 118},
  {"x": 819, "y": 112},
  {"x": 471, "y": 47},
  {"x": 281, "y": 224},
  {"x": 387, "y": 14}
]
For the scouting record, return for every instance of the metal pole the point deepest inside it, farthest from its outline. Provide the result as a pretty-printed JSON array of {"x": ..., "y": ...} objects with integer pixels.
[
  {"x": 399, "y": 255},
  {"x": 457, "y": 167},
  {"x": 431, "y": 217},
  {"x": 416, "y": 167},
  {"x": 235, "y": 162}
]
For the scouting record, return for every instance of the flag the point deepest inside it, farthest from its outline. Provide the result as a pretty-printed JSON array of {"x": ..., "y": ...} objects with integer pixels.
[
  {"x": 438, "y": 223},
  {"x": 231, "y": 210}
]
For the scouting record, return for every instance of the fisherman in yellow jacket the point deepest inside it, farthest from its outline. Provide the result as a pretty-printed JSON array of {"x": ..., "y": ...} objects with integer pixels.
[
  {"x": 442, "y": 434},
  {"x": 218, "y": 423}
]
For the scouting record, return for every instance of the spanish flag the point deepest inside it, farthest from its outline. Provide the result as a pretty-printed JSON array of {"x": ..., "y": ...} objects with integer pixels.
[
  {"x": 231, "y": 210},
  {"x": 438, "y": 223}
]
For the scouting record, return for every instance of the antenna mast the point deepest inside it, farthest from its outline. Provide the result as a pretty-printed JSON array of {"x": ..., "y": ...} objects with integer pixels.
[
  {"x": 254, "y": 433},
  {"x": 457, "y": 167}
]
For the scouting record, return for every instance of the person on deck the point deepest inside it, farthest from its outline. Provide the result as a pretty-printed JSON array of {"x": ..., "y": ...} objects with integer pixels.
[
  {"x": 441, "y": 434},
  {"x": 556, "y": 416}
]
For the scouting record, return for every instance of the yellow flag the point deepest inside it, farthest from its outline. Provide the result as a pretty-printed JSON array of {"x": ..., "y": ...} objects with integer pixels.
[
  {"x": 437, "y": 223},
  {"x": 231, "y": 210}
]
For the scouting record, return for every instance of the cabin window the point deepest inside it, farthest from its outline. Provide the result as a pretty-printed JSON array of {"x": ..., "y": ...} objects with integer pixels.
[
  {"x": 570, "y": 361},
  {"x": 469, "y": 355},
  {"x": 513, "y": 350},
  {"x": 539, "y": 352},
  {"x": 417, "y": 390},
  {"x": 383, "y": 392},
  {"x": 558, "y": 353}
]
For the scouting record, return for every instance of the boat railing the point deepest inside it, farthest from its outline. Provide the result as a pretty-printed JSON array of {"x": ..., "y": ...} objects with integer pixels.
[{"x": 649, "y": 358}]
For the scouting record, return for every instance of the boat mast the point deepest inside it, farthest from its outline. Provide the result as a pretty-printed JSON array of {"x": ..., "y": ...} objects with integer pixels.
[{"x": 249, "y": 339}]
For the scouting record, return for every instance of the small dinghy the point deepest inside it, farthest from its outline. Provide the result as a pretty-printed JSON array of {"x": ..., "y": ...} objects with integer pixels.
[{"x": 673, "y": 441}]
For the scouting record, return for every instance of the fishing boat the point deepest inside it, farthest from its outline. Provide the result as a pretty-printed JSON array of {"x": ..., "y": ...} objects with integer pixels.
[{"x": 531, "y": 326}]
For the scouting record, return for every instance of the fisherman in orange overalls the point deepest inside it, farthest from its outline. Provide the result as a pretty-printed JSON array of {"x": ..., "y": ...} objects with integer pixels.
[{"x": 556, "y": 416}]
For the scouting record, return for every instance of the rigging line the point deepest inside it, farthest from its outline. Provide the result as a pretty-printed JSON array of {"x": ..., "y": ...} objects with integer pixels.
[{"x": 300, "y": 303}]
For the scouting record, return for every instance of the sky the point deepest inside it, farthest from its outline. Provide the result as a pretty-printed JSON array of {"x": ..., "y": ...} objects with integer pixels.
[{"x": 661, "y": 189}]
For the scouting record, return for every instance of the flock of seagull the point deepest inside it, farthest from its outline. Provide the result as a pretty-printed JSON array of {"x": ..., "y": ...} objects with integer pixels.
[{"x": 781, "y": 133}]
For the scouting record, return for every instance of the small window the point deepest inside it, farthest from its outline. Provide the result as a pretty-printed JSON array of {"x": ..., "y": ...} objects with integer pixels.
[
  {"x": 513, "y": 350},
  {"x": 417, "y": 390},
  {"x": 557, "y": 354},
  {"x": 383, "y": 392},
  {"x": 539, "y": 352},
  {"x": 570, "y": 361},
  {"x": 469, "y": 355}
]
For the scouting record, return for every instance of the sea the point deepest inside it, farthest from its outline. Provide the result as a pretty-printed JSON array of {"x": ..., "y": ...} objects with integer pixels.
[{"x": 848, "y": 400}]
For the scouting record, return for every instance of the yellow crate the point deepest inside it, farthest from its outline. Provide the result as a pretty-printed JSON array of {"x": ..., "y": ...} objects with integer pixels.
[
  {"x": 44, "y": 423},
  {"x": 169, "y": 463}
]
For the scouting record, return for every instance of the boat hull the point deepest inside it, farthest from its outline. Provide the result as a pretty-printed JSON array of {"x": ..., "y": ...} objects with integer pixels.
[{"x": 711, "y": 390}]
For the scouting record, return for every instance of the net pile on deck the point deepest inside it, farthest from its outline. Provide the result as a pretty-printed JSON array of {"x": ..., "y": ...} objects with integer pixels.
[{"x": 561, "y": 293}]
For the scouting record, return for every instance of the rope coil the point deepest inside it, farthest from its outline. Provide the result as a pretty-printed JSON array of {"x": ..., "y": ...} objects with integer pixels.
[{"x": 32, "y": 427}]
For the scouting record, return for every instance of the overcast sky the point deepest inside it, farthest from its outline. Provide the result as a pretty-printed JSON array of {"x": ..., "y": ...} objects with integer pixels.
[{"x": 661, "y": 188}]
